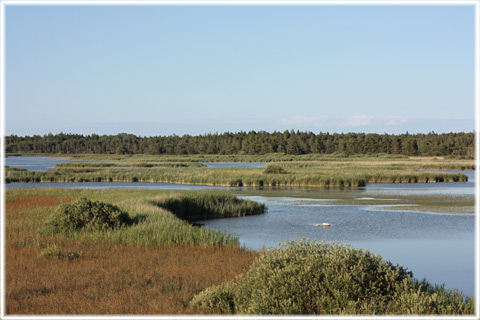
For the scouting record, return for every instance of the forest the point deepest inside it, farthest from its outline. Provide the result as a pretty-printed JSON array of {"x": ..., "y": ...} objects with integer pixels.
[{"x": 252, "y": 143}]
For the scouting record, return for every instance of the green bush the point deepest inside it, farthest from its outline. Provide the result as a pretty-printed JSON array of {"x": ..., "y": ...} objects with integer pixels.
[
  {"x": 217, "y": 299},
  {"x": 328, "y": 278},
  {"x": 84, "y": 214},
  {"x": 274, "y": 169}
]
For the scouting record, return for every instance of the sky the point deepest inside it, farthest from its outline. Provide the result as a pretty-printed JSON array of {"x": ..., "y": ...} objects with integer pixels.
[{"x": 163, "y": 69}]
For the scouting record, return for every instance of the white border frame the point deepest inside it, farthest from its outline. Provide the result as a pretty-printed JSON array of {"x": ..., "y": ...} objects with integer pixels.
[{"x": 474, "y": 3}]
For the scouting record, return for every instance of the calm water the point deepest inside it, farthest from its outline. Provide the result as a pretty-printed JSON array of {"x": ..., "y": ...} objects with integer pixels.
[
  {"x": 439, "y": 247},
  {"x": 40, "y": 163}
]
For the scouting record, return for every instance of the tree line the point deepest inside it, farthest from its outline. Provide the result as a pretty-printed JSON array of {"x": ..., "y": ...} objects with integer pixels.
[{"x": 288, "y": 142}]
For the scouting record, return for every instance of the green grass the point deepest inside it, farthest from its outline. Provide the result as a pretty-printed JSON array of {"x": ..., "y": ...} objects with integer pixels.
[
  {"x": 310, "y": 170},
  {"x": 129, "y": 164},
  {"x": 152, "y": 223},
  {"x": 207, "y": 205},
  {"x": 238, "y": 177}
]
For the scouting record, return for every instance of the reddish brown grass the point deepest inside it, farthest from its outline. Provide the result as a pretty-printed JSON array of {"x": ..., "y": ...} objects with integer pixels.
[
  {"x": 28, "y": 201},
  {"x": 108, "y": 278},
  {"x": 116, "y": 279}
]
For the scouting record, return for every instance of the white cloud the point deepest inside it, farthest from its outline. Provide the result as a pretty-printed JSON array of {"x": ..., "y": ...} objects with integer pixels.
[
  {"x": 379, "y": 124},
  {"x": 345, "y": 122},
  {"x": 363, "y": 121},
  {"x": 356, "y": 121},
  {"x": 302, "y": 121}
]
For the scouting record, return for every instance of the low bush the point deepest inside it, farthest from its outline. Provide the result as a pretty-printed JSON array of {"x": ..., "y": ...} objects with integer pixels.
[
  {"x": 328, "y": 278},
  {"x": 273, "y": 169},
  {"x": 87, "y": 215}
]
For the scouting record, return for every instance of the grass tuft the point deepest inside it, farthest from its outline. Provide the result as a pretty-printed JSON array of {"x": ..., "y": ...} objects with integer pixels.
[{"x": 54, "y": 252}]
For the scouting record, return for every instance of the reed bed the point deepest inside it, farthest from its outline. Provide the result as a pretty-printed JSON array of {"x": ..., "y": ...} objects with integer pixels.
[
  {"x": 352, "y": 176},
  {"x": 130, "y": 164},
  {"x": 208, "y": 205},
  {"x": 269, "y": 157}
]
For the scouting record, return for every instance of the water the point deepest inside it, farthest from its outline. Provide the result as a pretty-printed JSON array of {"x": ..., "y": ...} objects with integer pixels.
[
  {"x": 234, "y": 164},
  {"x": 40, "y": 163},
  {"x": 438, "y": 247},
  {"x": 448, "y": 188}
]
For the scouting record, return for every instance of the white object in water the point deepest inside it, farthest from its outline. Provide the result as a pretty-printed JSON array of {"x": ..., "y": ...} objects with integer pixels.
[{"x": 325, "y": 224}]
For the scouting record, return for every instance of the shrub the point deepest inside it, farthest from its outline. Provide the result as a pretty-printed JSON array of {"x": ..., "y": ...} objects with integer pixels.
[
  {"x": 216, "y": 299},
  {"x": 328, "y": 278},
  {"x": 84, "y": 214},
  {"x": 274, "y": 169}
]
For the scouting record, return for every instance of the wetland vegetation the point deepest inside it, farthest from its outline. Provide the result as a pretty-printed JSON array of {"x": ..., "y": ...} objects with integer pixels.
[
  {"x": 83, "y": 251},
  {"x": 332, "y": 171},
  {"x": 160, "y": 263}
]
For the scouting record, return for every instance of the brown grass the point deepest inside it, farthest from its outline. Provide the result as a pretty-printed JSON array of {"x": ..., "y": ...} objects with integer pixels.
[
  {"x": 108, "y": 278},
  {"x": 28, "y": 201}
]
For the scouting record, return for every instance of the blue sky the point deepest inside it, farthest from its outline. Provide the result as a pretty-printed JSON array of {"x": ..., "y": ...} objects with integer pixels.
[{"x": 162, "y": 70}]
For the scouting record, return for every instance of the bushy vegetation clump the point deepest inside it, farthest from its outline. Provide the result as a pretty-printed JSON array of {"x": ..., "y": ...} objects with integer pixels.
[
  {"x": 309, "y": 277},
  {"x": 274, "y": 169},
  {"x": 87, "y": 215},
  {"x": 208, "y": 205}
]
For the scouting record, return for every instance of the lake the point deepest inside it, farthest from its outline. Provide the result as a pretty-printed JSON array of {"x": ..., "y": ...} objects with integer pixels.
[
  {"x": 34, "y": 163},
  {"x": 439, "y": 247}
]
